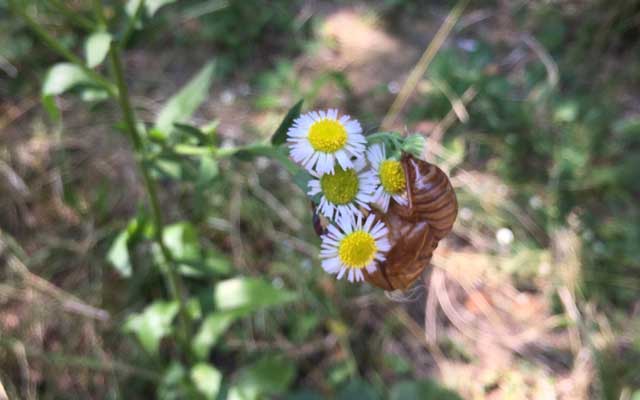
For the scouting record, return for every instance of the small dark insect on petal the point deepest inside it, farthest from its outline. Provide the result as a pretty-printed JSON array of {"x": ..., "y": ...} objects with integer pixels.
[{"x": 319, "y": 222}]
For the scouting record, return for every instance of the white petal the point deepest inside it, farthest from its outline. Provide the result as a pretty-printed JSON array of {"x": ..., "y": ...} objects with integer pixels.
[
  {"x": 343, "y": 159},
  {"x": 351, "y": 273},
  {"x": 369, "y": 222},
  {"x": 331, "y": 265}
]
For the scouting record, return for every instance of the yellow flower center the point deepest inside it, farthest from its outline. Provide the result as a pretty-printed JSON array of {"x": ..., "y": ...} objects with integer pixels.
[
  {"x": 392, "y": 176},
  {"x": 327, "y": 135},
  {"x": 357, "y": 249},
  {"x": 340, "y": 187}
]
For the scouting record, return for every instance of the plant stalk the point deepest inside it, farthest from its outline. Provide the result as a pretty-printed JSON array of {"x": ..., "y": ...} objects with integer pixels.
[
  {"x": 174, "y": 282},
  {"x": 120, "y": 92},
  {"x": 99, "y": 12},
  {"x": 131, "y": 24}
]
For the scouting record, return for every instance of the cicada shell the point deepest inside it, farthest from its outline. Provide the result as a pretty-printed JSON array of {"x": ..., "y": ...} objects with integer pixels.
[{"x": 415, "y": 229}]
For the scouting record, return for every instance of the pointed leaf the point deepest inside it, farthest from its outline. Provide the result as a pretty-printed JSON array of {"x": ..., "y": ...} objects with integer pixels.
[
  {"x": 182, "y": 240},
  {"x": 62, "y": 77},
  {"x": 249, "y": 294},
  {"x": 280, "y": 135},
  {"x": 152, "y": 324},
  {"x": 212, "y": 328},
  {"x": 49, "y": 104},
  {"x": 118, "y": 254},
  {"x": 96, "y": 48},
  {"x": 206, "y": 379},
  {"x": 270, "y": 376},
  {"x": 151, "y": 6},
  {"x": 175, "y": 383},
  {"x": 184, "y": 103}
]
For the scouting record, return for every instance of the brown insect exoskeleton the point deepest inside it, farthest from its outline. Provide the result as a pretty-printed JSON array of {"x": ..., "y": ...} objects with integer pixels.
[{"x": 415, "y": 229}]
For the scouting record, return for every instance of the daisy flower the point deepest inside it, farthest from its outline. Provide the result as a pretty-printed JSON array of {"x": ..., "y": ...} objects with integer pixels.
[
  {"x": 343, "y": 190},
  {"x": 353, "y": 245},
  {"x": 319, "y": 138},
  {"x": 390, "y": 177}
]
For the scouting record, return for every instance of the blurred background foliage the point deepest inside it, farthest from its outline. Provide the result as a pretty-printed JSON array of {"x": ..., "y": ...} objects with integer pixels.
[{"x": 531, "y": 106}]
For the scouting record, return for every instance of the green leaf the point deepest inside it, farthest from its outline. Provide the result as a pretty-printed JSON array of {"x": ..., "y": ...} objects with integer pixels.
[
  {"x": 118, "y": 254},
  {"x": 96, "y": 48},
  {"x": 132, "y": 6},
  {"x": 183, "y": 104},
  {"x": 249, "y": 294},
  {"x": 154, "y": 5},
  {"x": 278, "y": 153},
  {"x": 280, "y": 136},
  {"x": 212, "y": 328},
  {"x": 49, "y": 104},
  {"x": 192, "y": 131},
  {"x": 63, "y": 77},
  {"x": 207, "y": 380},
  {"x": 152, "y": 324},
  {"x": 175, "y": 383},
  {"x": 216, "y": 263},
  {"x": 151, "y": 6},
  {"x": 93, "y": 94},
  {"x": 270, "y": 376},
  {"x": 424, "y": 389},
  {"x": 207, "y": 170},
  {"x": 182, "y": 240}
]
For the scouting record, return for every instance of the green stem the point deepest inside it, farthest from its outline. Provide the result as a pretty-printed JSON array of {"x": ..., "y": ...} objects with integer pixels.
[
  {"x": 378, "y": 137},
  {"x": 254, "y": 149},
  {"x": 120, "y": 92},
  {"x": 131, "y": 24},
  {"x": 216, "y": 152},
  {"x": 97, "y": 9},
  {"x": 58, "y": 48},
  {"x": 174, "y": 282}
]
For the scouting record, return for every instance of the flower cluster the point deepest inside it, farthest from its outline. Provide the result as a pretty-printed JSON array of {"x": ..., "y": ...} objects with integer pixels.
[{"x": 347, "y": 177}]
